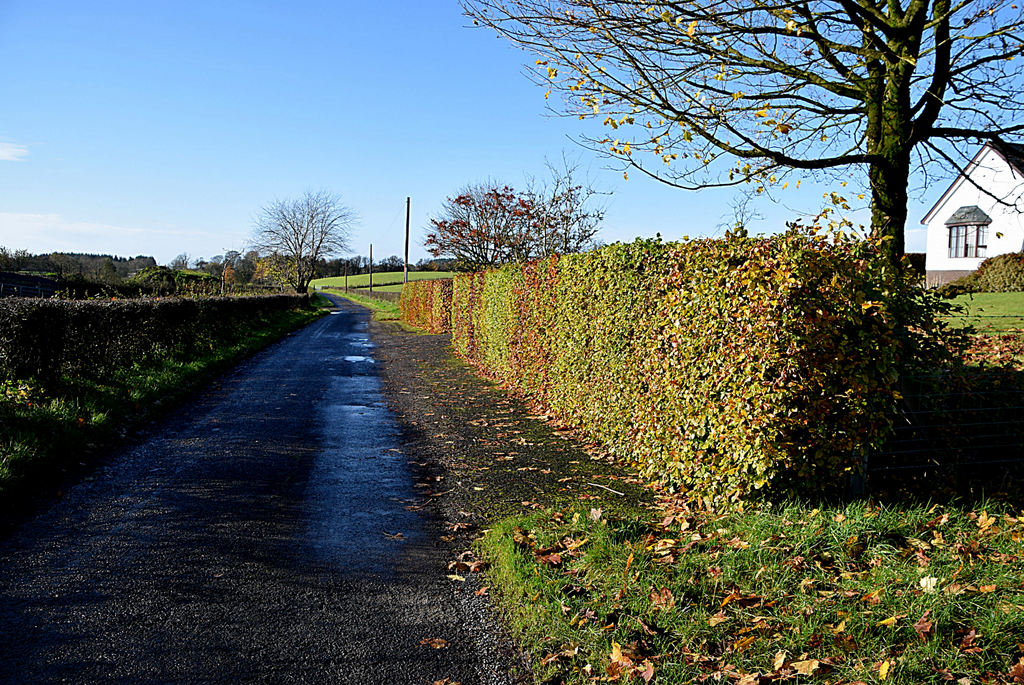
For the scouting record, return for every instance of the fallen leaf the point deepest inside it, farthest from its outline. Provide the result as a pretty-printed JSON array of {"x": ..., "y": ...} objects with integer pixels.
[
  {"x": 883, "y": 670},
  {"x": 987, "y": 588},
  {"x": 481, "y": 592},
  {"x": 720, "y": 617},
  {"x": 662, "y": 599},
  {"x": 891, "y": 621},
  {"x": 456, "y": 578},
  {"x": 744, "y": 643},
  {"x": 1017, "y": 672},
  {"x": 435, "y": 642},
  {"x": 967, "y": 643},
  {"x": 924, "y": 627},
  {"x": 807, "y": 667}
]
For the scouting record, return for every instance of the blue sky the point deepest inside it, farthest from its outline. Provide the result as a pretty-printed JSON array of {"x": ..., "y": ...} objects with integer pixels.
[{"x": 162, "y": 127}]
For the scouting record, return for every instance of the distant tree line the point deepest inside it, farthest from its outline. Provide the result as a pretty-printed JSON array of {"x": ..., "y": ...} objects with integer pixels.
[{"x": 68, "y": 265}]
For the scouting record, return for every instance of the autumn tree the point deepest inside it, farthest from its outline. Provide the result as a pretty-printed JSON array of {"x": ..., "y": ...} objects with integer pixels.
[
  {"x": 487, "y": 224},
  {"x": 484, "y": 225},
  {"x": 743, "y": 91},
  {"x": 295, "y": 234}
]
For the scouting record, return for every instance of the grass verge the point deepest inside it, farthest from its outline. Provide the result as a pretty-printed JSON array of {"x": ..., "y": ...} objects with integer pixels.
[
  {"x": 379, "y": 278},
  {"x": 851, "y": 594},
  {"x": 51, "y": 431},
  {"x": 383, "y": 310}
]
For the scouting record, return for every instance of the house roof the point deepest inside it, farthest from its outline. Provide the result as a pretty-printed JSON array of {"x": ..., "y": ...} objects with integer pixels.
[
  {"x": 971, "y": 214},
  {"x": 1011, "y": 153}
]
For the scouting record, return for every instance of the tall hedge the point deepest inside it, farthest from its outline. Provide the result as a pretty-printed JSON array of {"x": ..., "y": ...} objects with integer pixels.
[
  {"x": 48, "y": 339},
  {"x": 427, "y": 304},
  {"x": 725, "y": 366}
]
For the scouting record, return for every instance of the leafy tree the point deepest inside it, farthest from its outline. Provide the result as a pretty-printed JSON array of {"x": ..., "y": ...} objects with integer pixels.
[
  {"x": 392, "y": 263},
  {"x": 487, "y": 225},
  {"x": 483, "y": 226},
  {"x": 742, "y": 91},
  {"x": 299, "y": 232}
]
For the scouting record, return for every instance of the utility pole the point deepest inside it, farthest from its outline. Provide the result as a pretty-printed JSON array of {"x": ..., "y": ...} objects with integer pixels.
[
  {"x": 371, "y": 268},
  {"x": 346, "y": 275},
  {"x": 405, "y": 268}
]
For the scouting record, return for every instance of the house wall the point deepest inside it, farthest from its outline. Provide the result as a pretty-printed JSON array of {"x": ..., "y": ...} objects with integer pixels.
[{"x": 999, "y": 178}]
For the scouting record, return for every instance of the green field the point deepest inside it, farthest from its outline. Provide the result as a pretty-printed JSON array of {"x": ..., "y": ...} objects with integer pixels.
[
  {"x": 384, "y": 278},
  {"x": 990, "y": 312}
]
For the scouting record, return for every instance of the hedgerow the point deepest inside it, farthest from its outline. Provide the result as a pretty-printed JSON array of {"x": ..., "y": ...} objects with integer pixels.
[
  {"x": 724, "y": 366},
  {"x": 427, "y": 305},
  {"x": 49, "y": 339},
  {"x": 1000, "y": 274}
]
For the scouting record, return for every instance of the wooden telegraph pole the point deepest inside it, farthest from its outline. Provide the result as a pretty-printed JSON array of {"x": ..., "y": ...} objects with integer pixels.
[
  {"x": 371, "y": 268},
  {"x": 405, "y": 268}
]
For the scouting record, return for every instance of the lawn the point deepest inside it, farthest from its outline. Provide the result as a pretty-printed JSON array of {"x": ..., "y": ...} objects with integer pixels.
[
  {"x": 849, "y": 594},
  {"x": 990, "y": 312},
  {"x": 384, "y": 278}
]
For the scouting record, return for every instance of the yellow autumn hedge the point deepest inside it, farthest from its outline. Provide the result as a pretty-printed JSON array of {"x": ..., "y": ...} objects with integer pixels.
[
  {"x": 427, "y": 305},
  {"x": 726, "y": 366}
]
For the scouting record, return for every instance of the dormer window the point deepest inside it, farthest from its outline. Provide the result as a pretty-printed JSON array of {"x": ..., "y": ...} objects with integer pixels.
[{"x": 968, "y": 232}]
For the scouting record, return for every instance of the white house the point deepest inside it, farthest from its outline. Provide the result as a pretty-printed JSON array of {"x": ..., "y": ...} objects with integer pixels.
[{"x": 978, "y": 216}]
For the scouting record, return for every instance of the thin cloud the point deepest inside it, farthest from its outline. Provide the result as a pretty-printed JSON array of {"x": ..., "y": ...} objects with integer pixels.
[{"x": 9, "y": 152}]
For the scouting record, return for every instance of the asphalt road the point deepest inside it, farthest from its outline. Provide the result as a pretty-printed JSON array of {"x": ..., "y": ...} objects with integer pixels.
[{"x": 267, "y": 532}]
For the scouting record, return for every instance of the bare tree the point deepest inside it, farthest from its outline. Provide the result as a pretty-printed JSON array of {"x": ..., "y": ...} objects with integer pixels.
[
  {"x": 742, "y": 91},
  {"x": 300, "y": 232},
  {"x": 180, "y": 262},
  {"x": 567, "y": 215}
]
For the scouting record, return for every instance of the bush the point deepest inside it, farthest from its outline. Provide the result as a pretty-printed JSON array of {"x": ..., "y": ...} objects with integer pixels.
[
  {"x": 1001, "y": 274},
  {"x": 48, "y": 339},
  {"x": 723, "y": 366},
  {"x": 961, "y": 286},
  {"x": 427, "y": 305}
]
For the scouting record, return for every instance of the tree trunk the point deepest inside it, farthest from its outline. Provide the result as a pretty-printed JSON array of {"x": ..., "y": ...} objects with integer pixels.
[
  {"x": 889, "y": 179},
  {"x": 890, "y": 141}
]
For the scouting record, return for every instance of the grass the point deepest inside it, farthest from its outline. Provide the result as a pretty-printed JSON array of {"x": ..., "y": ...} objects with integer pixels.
[
  {"x": 384, "y": 278},
  {"x": 382, "y": 309},
  {"x": 849, "y": 594},
  {"x": 48, "y": 430},
  {"x": 990, "y": 312}
]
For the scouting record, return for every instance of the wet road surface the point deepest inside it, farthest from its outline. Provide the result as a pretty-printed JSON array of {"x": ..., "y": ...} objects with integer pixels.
[{"x": 259, "y": 535}]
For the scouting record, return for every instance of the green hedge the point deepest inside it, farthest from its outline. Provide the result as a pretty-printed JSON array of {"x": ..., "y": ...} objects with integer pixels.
[
  {"x": 1000, "y": 274},
  {"x": 427, "y": 305},
  {"x": 49, "y": 339},
  {"x": 724, "y": 366}
]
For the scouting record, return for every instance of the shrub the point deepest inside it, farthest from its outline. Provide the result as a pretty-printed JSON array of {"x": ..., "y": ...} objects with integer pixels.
[
  {"x": 47, "y": 339},
  {"x": 723, "y": 366},
  {"x": 961, "y": 286},
  {"x": 1000, "y": 274},
  {"x": 427, "y": 305}
]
